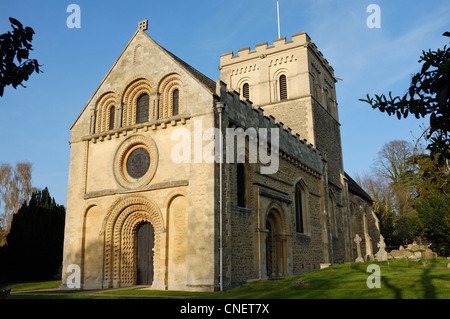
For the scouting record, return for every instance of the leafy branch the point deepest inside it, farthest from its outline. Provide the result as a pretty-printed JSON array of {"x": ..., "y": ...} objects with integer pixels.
[
  {"x": 15, "y": 64},
  {"x": 428, "y": 95}
]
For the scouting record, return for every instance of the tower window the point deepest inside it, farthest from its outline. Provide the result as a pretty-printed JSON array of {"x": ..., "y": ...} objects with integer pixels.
[
  {"x": 142, "y": 109},
  {"x": 112, "y": 112},
  {"x": 175, "y": 102},
  {"x": 246, "y": 91},
  {"x": 283, "y": 87}
]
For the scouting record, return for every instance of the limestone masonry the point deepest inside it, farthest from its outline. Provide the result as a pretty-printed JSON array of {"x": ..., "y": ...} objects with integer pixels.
[{"x": 137, "y": 216}]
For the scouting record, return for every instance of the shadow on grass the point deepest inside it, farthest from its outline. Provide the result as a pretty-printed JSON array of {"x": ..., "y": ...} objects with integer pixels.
[
  {"x": 426, "y": 278},
  {"x": 406, "y": 288},
  {"x": 397, "y": 291}
]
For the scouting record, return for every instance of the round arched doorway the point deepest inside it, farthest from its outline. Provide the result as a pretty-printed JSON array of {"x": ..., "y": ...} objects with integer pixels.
[{"x": 132, "y": 225}]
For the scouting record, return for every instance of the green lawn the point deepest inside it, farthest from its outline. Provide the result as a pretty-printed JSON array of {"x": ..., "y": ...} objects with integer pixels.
[{"x": 400, "y": 279}]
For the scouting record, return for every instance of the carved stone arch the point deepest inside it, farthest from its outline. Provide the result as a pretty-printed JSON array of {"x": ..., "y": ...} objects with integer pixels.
[
  {"x": 166, "y": 87},
  {"x": 171, "y": 196},
  {"x": 278, "y": 73},
  {"x": 103, "y": 105},
  {"x": 119, "y": 227},
  {"x": 276, "y": 81},
  {"x": 275, "y": 206},
  {"x": 132, "y": 92},
  {"x": 240, "y": 86}
]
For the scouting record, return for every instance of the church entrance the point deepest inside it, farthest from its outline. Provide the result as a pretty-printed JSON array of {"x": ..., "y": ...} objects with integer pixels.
[
  {"x": 145, "y": 252},
  {"x": 275, "y": 246}
]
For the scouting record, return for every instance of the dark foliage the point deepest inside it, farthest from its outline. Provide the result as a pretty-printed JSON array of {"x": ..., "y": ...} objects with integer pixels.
[
  {"x": 15, "y": 47},
  {"x": 35, "y": 242}
]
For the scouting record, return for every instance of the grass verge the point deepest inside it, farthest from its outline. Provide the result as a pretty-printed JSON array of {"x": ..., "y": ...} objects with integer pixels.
[{"x": 399, "y": 279}]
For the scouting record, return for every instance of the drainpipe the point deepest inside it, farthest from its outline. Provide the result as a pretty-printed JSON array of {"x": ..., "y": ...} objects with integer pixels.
[{"x": 220, "y": 106}]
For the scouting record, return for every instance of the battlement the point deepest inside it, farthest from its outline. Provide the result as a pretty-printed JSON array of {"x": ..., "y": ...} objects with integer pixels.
[
  {"x": 263, "y": 50},
  {"x": 292, "y": 146}
]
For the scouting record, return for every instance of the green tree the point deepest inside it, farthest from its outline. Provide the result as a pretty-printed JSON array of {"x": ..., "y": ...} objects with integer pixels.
[
  {"x": 35, "y": 241},
  {"x": 391, "y": 185},
  {"x": 433, "y": 205},
  {"x": 428, "y": 95},
  {"x": 15, "y": 47}
]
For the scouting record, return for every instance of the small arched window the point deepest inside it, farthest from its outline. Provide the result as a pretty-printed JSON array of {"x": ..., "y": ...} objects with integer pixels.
[
  {"x": 246, "y": 91},
  {"x": 283, "y": 87},
  {"x": 112, "y": 113},
  {"x": 175, "y": 102},
  {"x": 142, "y": 108}
]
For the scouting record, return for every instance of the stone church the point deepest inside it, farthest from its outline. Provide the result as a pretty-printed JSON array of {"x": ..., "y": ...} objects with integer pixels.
[{"x": 146, "y": 204}]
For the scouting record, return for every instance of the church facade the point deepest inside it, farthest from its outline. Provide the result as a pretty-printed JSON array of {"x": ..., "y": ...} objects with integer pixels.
[{"x": 179, "y": 182}]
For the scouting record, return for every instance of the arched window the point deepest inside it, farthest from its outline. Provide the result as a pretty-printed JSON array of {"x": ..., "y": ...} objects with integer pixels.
[
  {"x": 246, "y": 91},
  {"x": 283, "y": 87},
  {"x": 332, "y": 214},
  {"x": 240, "y": 181},
  {"x": 300, "y": 209},
  {"x": 171, "y": 95},
  {"x": 142, "y": 108},
  {"x": 112, "y": 113},
  {"x": 175, "y": 102}
]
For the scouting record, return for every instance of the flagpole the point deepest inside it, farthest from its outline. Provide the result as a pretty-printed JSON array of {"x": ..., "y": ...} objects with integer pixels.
[{"x": 278, "y": 16}]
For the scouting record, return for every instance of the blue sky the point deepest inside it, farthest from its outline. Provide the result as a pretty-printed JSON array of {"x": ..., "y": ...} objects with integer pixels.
[{"x": 35, "y": 121}]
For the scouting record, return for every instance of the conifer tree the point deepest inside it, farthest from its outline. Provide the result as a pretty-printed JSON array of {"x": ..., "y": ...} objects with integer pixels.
[{"x": 35, "y": 241}]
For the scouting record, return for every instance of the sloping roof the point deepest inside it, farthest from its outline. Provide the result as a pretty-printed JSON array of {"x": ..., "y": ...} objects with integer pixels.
[
  {"x": 210, "y": 84},
  {"x": 356, "y": 189}
]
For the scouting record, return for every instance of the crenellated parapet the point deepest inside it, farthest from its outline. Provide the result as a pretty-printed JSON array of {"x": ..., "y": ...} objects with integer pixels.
[
  {"x": 293, "y": 147},
  {"x": 264, "y": 50}
]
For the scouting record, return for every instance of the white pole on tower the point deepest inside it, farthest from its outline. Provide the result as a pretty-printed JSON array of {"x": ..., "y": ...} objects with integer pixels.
[{"x": 278, "y": 16}]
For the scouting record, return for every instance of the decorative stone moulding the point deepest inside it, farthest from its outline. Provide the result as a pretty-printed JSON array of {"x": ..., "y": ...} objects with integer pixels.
[{"x": 135, "y": 162}]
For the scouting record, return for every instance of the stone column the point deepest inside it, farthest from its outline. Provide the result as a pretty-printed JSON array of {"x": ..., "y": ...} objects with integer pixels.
[
  {"x": 154, "y": 106},
  {"x": 119, "y": 112},
  {"x": 93, "y": 117}
]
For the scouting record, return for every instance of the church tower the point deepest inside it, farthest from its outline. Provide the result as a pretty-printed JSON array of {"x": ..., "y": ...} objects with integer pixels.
[{"x": 292, "y": 81}]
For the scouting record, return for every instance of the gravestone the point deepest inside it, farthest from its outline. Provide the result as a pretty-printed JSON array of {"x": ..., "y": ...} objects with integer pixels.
[
  {"x": 382, "y": 254},
  {"x": 358, "y": 249}
]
